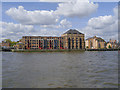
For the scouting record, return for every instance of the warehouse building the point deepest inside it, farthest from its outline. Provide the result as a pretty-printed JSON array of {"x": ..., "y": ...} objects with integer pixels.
[{"x": 72, "y": 39}]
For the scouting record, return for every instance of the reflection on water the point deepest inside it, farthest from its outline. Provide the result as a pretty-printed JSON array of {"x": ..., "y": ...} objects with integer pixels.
[{"x": 61, "y": 69}]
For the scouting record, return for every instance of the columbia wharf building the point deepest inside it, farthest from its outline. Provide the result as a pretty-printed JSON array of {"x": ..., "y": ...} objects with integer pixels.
[
  {"x": 95, "y": 43},
  {"x": 72, "y": 39}
]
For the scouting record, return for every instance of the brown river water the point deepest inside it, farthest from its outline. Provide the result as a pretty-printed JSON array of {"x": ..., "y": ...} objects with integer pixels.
[{"x": 89, "y": 69}]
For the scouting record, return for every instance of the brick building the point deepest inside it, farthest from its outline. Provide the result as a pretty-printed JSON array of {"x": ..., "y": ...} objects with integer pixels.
[
  {"x": 19, "y": 46},
  {"x": 112, "y": 44},
  {"x": 95, "y": 43},
  {"x": 5, "y": 44},
  {"x": 72, "y": 39}
]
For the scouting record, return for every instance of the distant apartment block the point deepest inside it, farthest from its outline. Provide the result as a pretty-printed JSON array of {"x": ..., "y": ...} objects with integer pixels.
[
  {"x": 95, "y": 43},
  {"x": 72, "y": 39}
]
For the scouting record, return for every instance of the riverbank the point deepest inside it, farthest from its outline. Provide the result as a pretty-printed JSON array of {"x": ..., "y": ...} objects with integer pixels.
[
  {"x": 102, "y": 49},
  {"x": 6, "y": 50},
  {"x": 48, "y": 50},
  {"x": 58, "y": 50}
]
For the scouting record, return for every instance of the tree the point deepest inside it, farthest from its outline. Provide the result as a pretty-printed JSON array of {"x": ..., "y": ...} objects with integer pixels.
[
  {"x": 20, "y": 40},
  {"x": 109, "y": 46},
  {"x": 11, "y": 42},
  {"x": 8, "y": 40}
]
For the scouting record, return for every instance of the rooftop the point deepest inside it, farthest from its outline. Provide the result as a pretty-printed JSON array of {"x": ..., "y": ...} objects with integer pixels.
[
  {"x": 72, "y": 31},
  {"x": 41, "y": 36},
  {"x": 97, "y": 38}
]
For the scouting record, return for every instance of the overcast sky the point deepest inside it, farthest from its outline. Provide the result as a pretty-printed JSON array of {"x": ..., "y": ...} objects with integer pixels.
[{"x": 54, "y": 18}]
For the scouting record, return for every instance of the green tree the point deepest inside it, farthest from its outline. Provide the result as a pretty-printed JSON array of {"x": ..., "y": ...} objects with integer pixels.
[
  {"x": 8, "y": 40},
  {"x": 109, "y": 46},
  {"x": 20, "y": 39},
  {"x": 11, "y": 42}
]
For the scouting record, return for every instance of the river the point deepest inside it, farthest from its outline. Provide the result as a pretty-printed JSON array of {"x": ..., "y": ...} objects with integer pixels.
[{"x": 89, "y": 69}]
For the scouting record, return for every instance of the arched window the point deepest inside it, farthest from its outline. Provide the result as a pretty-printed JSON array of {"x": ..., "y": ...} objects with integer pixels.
[
  {"x": 76, "y": 43},
  {"x": 104, "y": 45},
  {"x": 99, "y": 45},
  {"x": 68, "y": 43},
  {"x": 72, "y": 43},
  {"x": 80, "y": 43},
  {"x": 91, "y": 44}
]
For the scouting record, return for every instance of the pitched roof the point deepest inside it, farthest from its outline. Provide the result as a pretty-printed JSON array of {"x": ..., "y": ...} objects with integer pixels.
[
  {"x": 97, "y": 38},
  {"x": 100, "y": 39},
  {"x": 72, "y": 31}
]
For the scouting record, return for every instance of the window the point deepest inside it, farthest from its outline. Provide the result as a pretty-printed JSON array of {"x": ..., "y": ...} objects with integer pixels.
[
  {"x": 80, "y": 43},
  {"x": 104, "y": 45},
  {"x": 72, "y": 43},
  {"x": 68, "y": 43},
  {"x": 55, "y": 44},
  {"x": 91, "y": 45},
  {"x": 76, "y": 44},
  {"x": 99, "y": 45}
]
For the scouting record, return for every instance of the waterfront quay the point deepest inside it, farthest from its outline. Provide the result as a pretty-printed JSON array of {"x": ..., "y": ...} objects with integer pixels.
[
  {"x": 58, "y": 50},
  {"x": 102, "y": 49}
]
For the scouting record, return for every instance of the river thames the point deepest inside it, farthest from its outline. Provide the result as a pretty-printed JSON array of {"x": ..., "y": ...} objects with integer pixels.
[{"x": 89, "y": 69}]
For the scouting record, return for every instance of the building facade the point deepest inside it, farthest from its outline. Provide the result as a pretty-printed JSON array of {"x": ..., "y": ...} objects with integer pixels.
[
  {"x": 5, "y": 44},
  {"x": 19, "y": 46},
  {"x": 95, "y": 43},
  {"x": 72, "y": 39},
  {"x": 112, "y": 44}
]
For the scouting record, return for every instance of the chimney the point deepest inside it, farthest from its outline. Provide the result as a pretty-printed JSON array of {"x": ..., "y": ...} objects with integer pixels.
[{"x": 110, "y": 40}]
